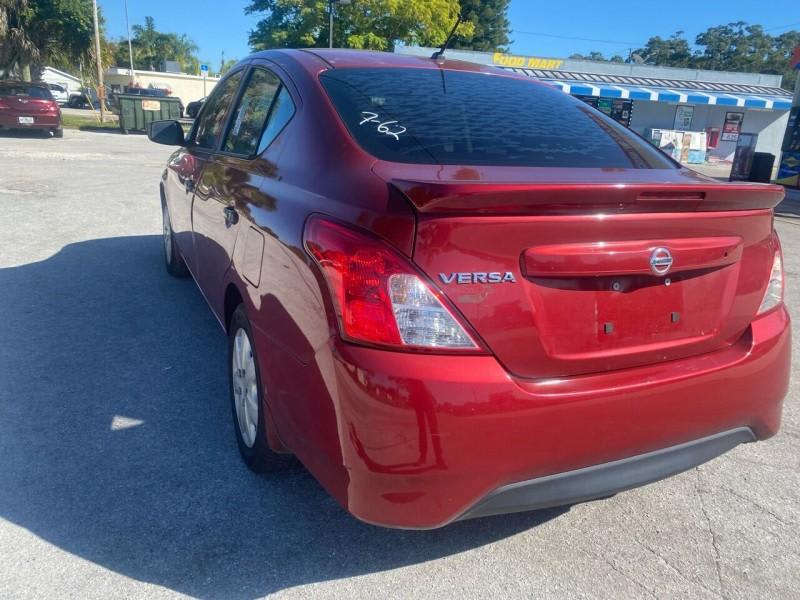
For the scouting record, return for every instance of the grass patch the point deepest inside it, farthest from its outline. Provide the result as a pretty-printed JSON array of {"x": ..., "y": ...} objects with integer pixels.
[{"x": 87, "y": 123}]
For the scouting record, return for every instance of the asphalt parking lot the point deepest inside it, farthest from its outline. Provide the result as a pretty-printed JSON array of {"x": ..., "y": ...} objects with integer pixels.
[{"x": 119, "y": 473}]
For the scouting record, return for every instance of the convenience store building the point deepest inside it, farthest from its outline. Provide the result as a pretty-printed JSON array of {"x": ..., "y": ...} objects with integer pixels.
[{"x": 646, "y": 98}]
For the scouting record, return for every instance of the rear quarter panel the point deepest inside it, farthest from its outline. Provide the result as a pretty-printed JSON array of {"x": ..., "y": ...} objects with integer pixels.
[{"x": 309, "y": 168}]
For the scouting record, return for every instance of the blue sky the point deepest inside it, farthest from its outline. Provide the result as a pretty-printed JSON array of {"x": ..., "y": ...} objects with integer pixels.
[{"x": 221, "y": 25}]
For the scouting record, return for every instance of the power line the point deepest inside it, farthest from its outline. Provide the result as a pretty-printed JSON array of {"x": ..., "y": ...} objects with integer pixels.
[
  {"x": 782, "y": 27},
  {"x": 581, "y": 39},
  {"x": 616, "y": 42}
]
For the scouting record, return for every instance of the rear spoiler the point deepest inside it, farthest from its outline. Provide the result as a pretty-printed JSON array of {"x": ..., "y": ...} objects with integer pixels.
[{"x": 570, "y": 198}]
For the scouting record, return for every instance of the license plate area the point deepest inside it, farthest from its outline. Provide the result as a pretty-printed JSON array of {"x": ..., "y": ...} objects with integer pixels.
[
  {"x": 581, "y": 317},
  {"x": 26, "y": 120}
]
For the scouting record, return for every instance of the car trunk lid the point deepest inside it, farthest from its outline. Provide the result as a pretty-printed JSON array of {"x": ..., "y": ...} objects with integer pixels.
[
  {"x": 22, "y": 105},
  {"x": 565, "y": 278}
]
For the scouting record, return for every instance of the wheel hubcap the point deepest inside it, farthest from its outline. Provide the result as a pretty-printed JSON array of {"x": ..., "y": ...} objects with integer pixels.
[
  {"x": 245, "y": 387},
  {"x": 167, "y": 233}
]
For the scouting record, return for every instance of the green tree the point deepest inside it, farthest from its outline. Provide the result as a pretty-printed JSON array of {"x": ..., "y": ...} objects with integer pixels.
[
  {"x": 593, "y": 55},
  {"x": 778, "y": 60},
  {"x": 372, "y": 24},
  {"x": 152, "y": 49},
  {"x": 733, "y": 47},
  {"x": 55, "y": 32},
  {"x": 489, "y": 19},
  {"x": 673, "y": 51},
  {"x": 747, "y": 48},
  {"x": 737, "y": 47},
  {"x": 17, "y": 49},
  {"x": 225, "y": 65}
]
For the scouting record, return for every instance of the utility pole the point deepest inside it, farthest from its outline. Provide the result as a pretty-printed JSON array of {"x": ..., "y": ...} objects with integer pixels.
[
  {"x": 101, "y": 91},
  {"x": 330, "y": 23},
  {"x": 130, "y": 46},
  {"x": 330, "y": 19}
]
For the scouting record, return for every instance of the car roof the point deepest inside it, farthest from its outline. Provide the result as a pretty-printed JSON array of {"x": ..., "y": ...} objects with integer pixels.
[
  {"x": 340, "y": 58},
  {"x": 20, "y": 82}
]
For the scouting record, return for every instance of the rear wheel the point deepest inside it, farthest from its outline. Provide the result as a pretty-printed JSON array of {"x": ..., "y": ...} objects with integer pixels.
[
  {"x": 172, "y": 256},
  {"x": 58, "y": 133},
  {"x": 247, "y": 405}
]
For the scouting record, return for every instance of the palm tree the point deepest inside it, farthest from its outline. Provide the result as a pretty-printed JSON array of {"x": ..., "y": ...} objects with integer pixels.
[
  {"x": 184, "y": 50},
  {"x": 17, "y": 51},
  {"x": 152, "y": 48},
  {"x": 145, "y": 41}
]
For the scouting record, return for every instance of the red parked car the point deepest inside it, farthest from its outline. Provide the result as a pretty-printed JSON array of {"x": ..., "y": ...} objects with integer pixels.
[
  {"x": 452, "y": 291},
  {"x": 25, "y": 105}
]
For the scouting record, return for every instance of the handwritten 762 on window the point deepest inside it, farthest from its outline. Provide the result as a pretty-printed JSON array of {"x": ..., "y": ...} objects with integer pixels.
[{"x": 392, "y": 128}]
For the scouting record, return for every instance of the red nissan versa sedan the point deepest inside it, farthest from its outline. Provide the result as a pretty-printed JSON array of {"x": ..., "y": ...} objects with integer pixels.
[
  {"x": 25, "y": 105},
  {"x": 452, "y": 291}
]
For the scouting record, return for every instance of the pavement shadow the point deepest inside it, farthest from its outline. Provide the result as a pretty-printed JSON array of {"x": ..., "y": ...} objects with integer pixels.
[
  {"x": 116, "y": 441},
  {"x": 25, "y": 133}
]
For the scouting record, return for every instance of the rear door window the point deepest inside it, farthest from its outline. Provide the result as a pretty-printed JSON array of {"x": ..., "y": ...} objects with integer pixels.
[
  {"x": 280, "y": 114},
  {"x": 212, "y": 119},
  {"x": 439, "y": 116},
  {"x": 251, "y": 113}
]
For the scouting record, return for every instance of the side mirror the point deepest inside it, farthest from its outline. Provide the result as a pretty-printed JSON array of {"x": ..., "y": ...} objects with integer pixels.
[{"x": 169, "y": 133}]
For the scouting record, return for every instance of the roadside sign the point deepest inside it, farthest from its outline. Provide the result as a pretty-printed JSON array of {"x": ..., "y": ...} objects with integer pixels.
[
  {"x": 795, "y": 62},
  {"x": 204, "y": 73}
]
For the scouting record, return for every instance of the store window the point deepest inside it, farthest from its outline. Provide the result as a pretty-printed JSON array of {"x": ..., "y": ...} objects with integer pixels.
[{"x": 619, "y": 109}]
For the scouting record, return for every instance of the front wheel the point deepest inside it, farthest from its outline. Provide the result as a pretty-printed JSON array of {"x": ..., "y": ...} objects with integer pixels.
[
  {"x": 172, "y": 256},
  {"x": 247, "y": 403}
]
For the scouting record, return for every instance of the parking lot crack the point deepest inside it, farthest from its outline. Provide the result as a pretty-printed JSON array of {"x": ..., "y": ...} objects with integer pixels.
[
  {"x": 759, "y": 506},
  {"x": 633, "y": 580},
  {"x": 650, "y": 592},
  {"x": 712, "y": 533},
  {"x": 677, "y": 571},
  {"x": 761, "y": 463}
]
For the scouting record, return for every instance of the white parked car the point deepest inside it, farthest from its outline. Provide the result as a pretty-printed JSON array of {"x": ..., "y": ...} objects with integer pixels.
[{"x": 59, "y": 92}]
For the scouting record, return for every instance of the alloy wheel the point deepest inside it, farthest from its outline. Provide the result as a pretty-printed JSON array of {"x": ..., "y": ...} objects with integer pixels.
[{"x": 245, "y": 387}]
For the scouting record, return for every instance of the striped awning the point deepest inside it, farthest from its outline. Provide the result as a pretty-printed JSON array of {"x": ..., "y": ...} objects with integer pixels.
[
  {"x": 662, "y": 90},
  {"x": 675, "y": 96}
]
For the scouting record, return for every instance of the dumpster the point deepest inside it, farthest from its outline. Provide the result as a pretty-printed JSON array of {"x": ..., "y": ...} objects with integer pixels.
[
  {"x": 761, "y": 169},
  {"x": 136, "y": 112}
]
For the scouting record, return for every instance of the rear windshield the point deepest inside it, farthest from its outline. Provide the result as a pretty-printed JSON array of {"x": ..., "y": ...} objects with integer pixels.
[
  {"x": 436, "y": 116},
  {"x": 22, "y": 89}
]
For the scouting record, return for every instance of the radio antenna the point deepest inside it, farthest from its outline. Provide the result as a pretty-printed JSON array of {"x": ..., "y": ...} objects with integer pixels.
[{"x": 440, "y": 52}]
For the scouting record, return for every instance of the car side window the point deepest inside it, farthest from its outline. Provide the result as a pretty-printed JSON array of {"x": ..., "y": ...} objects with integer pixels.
[
  {"x": 282, "y": 111},
  {"x": 212, "y": 120},
  {"x": 251, "y": 113}
]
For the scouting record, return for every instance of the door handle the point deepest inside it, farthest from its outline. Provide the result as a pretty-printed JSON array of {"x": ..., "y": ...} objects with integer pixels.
[{"x": 231, "y": 216}]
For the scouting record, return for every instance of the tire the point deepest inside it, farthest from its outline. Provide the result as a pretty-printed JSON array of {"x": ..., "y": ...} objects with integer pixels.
[
  {"x": 58, "y": 133},
  {"x": 172, "y": 256},
  {"x": 246, "y": 394}
]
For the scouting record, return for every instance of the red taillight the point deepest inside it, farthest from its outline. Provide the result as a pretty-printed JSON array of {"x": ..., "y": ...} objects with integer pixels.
[
  {"x": 3, "y": 104},
  {"x": 773, "y": 295},
  {"x": 379, "y": 297}
]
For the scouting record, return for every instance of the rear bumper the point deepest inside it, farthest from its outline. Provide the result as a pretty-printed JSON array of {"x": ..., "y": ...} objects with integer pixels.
[
  {"x": 426, "y": 440},
  {"x": 39, "y": 122},
  {"x": 599, "y": 481}
]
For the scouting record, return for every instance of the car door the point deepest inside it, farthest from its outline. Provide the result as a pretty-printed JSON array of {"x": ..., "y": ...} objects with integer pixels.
[
  {"x": 185, "y": 167},
  {"x": 226, "y": 183}
]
